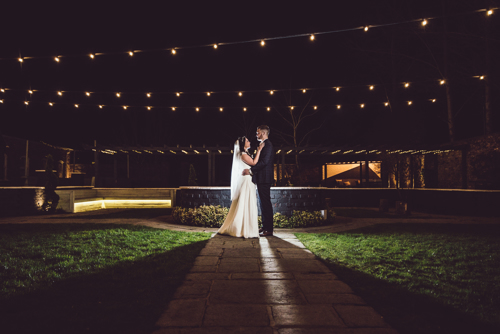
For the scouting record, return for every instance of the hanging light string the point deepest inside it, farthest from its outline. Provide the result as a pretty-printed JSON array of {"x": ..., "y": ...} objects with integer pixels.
[
  {"x": 209, "y": 93},
  {"x": 220, "y": 109},
  {"x": 261, "y": 41}
]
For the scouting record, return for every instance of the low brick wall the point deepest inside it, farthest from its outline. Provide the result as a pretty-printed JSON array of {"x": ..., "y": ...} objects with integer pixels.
[
  {"x": 20, "y": 200},
  {"x": 284, "y": 199}
]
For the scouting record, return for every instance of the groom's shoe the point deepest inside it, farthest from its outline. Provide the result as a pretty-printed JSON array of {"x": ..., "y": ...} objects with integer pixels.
[
  {"x": 266, "y": 234},
  {"x": 261, "y": 230}
]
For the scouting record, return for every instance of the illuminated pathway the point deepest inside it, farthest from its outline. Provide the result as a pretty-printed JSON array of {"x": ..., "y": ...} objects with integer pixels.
[{"x": 265, "y": 285}]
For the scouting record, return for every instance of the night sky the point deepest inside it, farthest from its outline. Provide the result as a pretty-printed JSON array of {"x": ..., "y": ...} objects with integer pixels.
[{"x": 385, "y": 57}]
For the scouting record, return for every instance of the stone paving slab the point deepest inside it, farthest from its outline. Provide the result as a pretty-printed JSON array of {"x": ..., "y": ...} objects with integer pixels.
[{"x": 265, "y": 285}]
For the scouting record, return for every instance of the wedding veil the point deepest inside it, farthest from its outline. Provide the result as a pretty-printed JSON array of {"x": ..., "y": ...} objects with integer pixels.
[{"x": 237, "y": 171}]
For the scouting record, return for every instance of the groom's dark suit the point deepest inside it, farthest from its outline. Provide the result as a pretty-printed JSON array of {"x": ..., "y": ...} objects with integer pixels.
[{"x": 263, "y": 177}]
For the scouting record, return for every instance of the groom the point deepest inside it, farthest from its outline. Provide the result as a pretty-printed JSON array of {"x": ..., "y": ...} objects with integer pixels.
[{"x": 263, "y": 176}]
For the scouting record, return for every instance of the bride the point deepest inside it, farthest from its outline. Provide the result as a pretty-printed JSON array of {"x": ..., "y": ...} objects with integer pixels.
[{"x": 241, "y": 220}]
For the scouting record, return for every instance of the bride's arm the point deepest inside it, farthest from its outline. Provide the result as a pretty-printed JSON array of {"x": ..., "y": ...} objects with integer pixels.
[{"x": 252, "y": 162}]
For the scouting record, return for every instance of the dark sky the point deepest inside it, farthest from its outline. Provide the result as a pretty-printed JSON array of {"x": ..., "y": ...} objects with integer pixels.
[{"x": 384, "y": 57}]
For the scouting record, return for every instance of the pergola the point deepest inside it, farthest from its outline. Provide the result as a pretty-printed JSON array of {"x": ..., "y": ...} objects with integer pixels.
[{"x": 331, "y": 154}]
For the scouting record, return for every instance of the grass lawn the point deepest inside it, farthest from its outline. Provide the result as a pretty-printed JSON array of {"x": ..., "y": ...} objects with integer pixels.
[
  {"x": 423, "y": 278},
  {"x": 90, "y": 278}
]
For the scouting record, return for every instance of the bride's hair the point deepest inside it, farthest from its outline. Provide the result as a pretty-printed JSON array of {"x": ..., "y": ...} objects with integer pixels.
[{"x": 241, "y": 141}]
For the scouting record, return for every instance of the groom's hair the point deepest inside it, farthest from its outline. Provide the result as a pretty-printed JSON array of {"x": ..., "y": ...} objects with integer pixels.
[{"x": 265, "y": 128}]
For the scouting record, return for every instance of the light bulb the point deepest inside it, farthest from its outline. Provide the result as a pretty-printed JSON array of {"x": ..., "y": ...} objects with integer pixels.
[
  {"x": 489, "y": 12},
  {"x": 149, "y": 108},
  {"x": 131, "y": 53},
  {"x": 240, "y": 94},
  {"x": 87, "y": 93},
  {"x": 338, "y": 106},
  {"x": 371, "y": 87},
  {"x": 268, "y": 108},
  {"x": 59, "y": 93},
  {"x": 312, "y": 37},
  {"x": 2, "y": 90},
  {"x": 197, "y": 109},
  {"x": 118, "y": 94},
  {"x": 244, "y": 109},
  {"x": 442, "y": 82},
  {"x": 262, "y": 43},
  {"x": 271, "y": 92},
  {"x": 362, "y": 105},
  {"x": 315, "y": 107},
  {"x": 407, "y": 84},
  {"x": 386, "y": 104},
  {"x": 208, "y": 93},
  {"x": 215, "y": 46},
  {"x": 433, "y": 100},
  {"x": 173, "y": 108},
  {"x": 26, "y": 102},
  {"x": 76, "y": 106},
  {"x": 337, "y": 89},
  {"x": 148, "y": 94},
  {"x": 178, "y": 94},
  {"x": 481, "y": 77},
  {"x": 30, "y": 91},
  {"x": 51, "y": 104},
  {"x": 220, "y": 109},
  {"x": 409, "y": 103},
  {"x": 424, "y": 22},
  {"x": 125, "y": 107},
  {"x": 366, "y": 28},
  {"x": 56, "y": 59},
  {"x": 303, "y": 91},
  {"x": 100, "y": 106},
  {"x": 91, "y": 56},
  {"x": 20, "y": 60},
  {"x": 173, "y": 51},
  {"x": 291, "y": 107}
]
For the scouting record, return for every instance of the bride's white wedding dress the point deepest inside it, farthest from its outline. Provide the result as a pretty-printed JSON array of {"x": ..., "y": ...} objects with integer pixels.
[{"x": 241, "y": 220}]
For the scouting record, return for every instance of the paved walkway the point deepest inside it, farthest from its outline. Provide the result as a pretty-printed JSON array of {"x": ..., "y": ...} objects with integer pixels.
[{"x": 265, "y": 285}]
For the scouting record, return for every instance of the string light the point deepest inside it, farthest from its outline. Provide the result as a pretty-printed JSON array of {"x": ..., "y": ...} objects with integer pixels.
[
  {"x": 312, "y": 37},
  {"x": 100, "y": 106},
  {"x": 244, "y": 109},
  {"x": 130, "y": 53},
  {"x": 173, "y": 51},
  {"x": 59, "y": 93},
  {"x": 366, "y": 28},
  {"x": 148, "y": 107},
  {"x": 56, "y": 59},
  {"x": 148, "y": 94},
  {"x": 442, "y": 82},
  {"x": 51, "y": 104},
  {"x": 173, "y": 108},
  {"x": 197, "y": 109},
  {"x": 87, "y": 93},
  {"x": 371, "y": 87},
  {"x": 125, "y": 107},
  {"x": 178, "y": 94},
  {"x": 240, "y": 94},
  {"x": 26, "y": 102},
  {"x": 20, "y": 60},
  {"x": 489, "y": 12},
  {"x": 268, "y": 108},
  {"x": 76, "y": 105},
  {"x": 118, "y": 95},
  {"x": 303, "y": 91},
  {"x": 407, "y": 84},
  {"x": 271, "y": 92},
  {"x": 2, "y": 90},
  {"x": 410, "y": 103},
  {"x": 386, "y": 104},
  {"x": 92, "y": 56},
  {"x": 433, "y": 100},
  {"x": 315, "y": 107},
  {"x": 337, "y": 89},
  {"x": 291, "y": 107},
  {"x": 481, "y": 77},
  {"x": 30, "y": 91},
  {"x": 220, "y": 109},
  {"x": 424, "y": 22},
  {"x": 215, "y": 46},
  {"x": 1, "y": 101},
  {"x": 362, "y": 105},
  {"x": 262, "y": 43},
  {"x": 208, "y": 93},
  {"x": 338, "y": 106}
]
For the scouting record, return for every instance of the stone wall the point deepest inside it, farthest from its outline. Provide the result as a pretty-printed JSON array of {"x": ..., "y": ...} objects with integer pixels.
[
  {"x": 284, "y": 199},
  {"x": 20, "y": 201}
]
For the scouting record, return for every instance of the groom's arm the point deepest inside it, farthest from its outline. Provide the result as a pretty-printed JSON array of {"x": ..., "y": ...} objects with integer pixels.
[{"x": 265, "y": 158}]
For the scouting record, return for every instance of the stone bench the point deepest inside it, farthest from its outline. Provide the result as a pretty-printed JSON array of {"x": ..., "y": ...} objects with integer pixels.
[{"x": 90, "y": 199}]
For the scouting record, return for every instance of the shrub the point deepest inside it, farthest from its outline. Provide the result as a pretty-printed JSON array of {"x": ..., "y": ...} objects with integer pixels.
[{"x": 214, "y": 216}]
